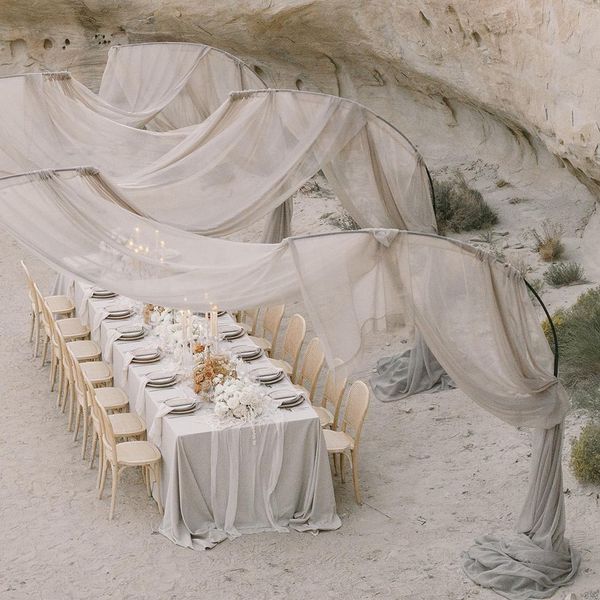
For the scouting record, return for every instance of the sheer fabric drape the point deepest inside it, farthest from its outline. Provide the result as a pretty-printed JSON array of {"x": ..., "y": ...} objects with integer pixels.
[
  {"x": 169, "y": 85},
  {"x": 474, "y": 314},
  {"x": 236, "y": 167}
]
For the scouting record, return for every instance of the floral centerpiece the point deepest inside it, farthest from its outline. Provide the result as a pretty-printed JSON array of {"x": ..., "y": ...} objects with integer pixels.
[
  {"x": 208, "y": 367},
  {"x": 175, "y": 330},
  {"x": 238, "y": 398}
]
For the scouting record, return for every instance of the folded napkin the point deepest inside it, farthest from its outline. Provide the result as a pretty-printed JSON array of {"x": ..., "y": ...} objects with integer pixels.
[
  {"x": 83, "y": 308},
  {"x": 112, "y": 336},
  {"x": 155, "y": 431}
]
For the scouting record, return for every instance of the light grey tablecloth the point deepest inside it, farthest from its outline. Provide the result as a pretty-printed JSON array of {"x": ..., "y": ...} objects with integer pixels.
[{"x": 272, "y": 475}]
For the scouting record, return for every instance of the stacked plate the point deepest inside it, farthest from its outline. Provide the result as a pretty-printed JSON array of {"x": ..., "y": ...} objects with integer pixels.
[
  {"x": 130, "y": 333},
  {"x": 267, "y": 375},
  {"x": 143, "y": 356},
  {"x": 101, "y": 293},
  {"x": 182, "y": 406},
  {"x": 220, "y": 313},
  {"x": 118, "y": 312},
  {"x": 287, "y": 398},
  {"x": 247, "y": 353},
  {"x": 232, "y": 332},
  {"x": 161, "y": 379}
]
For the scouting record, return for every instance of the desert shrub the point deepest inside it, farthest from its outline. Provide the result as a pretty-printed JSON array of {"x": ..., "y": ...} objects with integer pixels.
[
  {"x": 343, "y": 220},
  {"x": 564, "y": 273},
  {"x": 537, "y": 284},
  {"x": 585, "y": 455},
  {"x": 578, "y": 332},
  {"x": 547, "y": 241},
  {"x": 461, "y": 208}
]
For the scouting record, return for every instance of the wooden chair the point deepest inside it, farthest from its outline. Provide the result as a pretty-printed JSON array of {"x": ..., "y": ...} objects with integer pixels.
[
  {"x": 58, "y": 305},
  {"x": 70, "y": 328},
  {"x": 348, "y": 438},
  {"x": 126, "y": 425},
  {"x": 292, "y": 344},
  {"x": 270, "y": 327},
  {"x": 248, "y": 319},
  {"x": 314, "y": 358},
  {"x": 120, "y": 455},
  {"x": 331, "y": 400}
]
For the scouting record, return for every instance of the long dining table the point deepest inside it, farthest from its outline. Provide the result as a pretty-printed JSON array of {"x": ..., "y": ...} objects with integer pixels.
[{"x": 221, "y": 479}]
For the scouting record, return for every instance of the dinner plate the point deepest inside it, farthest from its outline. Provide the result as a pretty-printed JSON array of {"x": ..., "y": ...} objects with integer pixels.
[
  {"x": 162, "y": 385},
  {"x": 131, "y": 329},
  {"x": 247, "y": 352},
  {"x": 131, "y": 338},
  {"x": 284, "y": 395},
  {"x": 146, "y": 361},
  {"x": 160, "y": 377},
  {"x": 297, "y": 402},
  {"x": 185, "y": 411},
  {"x": 220, "y": 313},
  {"x": 102, "y": 296},
  {"x": 179, "y": 403},
  {"x": 232, "y": 332},
  {"x": 267, "y": 374},
  {"x": 119, "y": 316}
]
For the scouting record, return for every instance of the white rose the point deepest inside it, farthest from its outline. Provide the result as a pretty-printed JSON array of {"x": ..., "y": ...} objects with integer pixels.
[
  {"x": 233, "y": 402},
  {"x": 221, "y": 409},
  {"x": 239, "y": 412}
]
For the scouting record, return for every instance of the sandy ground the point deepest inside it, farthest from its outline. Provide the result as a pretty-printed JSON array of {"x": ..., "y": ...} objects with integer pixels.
[{"x": 437, "y": 471}]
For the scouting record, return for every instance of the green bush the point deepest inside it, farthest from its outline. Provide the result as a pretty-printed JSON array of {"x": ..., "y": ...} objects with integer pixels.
[
  {"x": 548, "y": 241},
  {"x": 585, "y": 455},
  {"x": 578, "y": 333},
  {"x": 564, "y": 273},
  {"x": 461, "y": 208}
]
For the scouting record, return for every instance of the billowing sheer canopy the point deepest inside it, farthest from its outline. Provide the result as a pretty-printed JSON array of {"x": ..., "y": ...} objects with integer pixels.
[
  {"x": 165, "y": 85},
  {"x": 237, "y": 166},
  {"x": 473, "y": 312}
]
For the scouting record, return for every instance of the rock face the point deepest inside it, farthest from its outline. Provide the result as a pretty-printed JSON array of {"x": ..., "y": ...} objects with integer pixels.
[{"x": 507, "y": 91}]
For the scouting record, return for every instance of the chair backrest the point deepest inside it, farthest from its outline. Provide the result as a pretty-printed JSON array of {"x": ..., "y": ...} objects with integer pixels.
[
  {"x": 31, "y": 291},
  {"x": 249, "y": 316},
  {"x": 78, "y": 379},
  {"x": 93, "y": 406},
  {"x": 312, "y": 365},
  {"x": 46, "y": 315},
  {"x": 293, "y": 340},
  {"x": 108, "y": 435},
  {"x": 271, "y": 323},
  {"x": 335, "y": 384},
  {"x": 356, "y": 410}
]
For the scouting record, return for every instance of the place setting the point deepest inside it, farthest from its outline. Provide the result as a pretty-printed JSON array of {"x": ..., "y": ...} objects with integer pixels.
[
  {"x": 287, "y": 399},
  {"x": 229, "y": 333},
  {"x": 161, "y": 379},
  {"x": 144, "y": 356},
  {"x": 267, "y": 375},
  {"x": 130, "y": 333},
  {"x": 118, "y": 312},
  {"x": 102, "y": 294},
  {"x": 247, "y": 353}
]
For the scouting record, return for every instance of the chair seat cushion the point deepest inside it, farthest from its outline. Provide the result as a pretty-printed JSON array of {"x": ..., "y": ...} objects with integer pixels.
[
  {"x": 111, "y": 398},
  {"x": 137, "y": 453},
  {"x": 84, "y": 349},
  {"x": 337, "y": 441},
  {"x": 72, "y": 327},
  {"x": 283, "y": 365},
  {"x": 325, "y": 415},
  {"x": 125, "y": 424},
  {"x": 97, "y": 371},
  {"x": 59, "y": 304}
]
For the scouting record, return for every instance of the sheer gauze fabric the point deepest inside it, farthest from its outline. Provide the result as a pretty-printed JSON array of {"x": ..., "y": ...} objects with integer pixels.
[
  {"x": 473, "y": 313},
  {"x": 165, "y": 85},
  {"x": 238, "y": 166}
]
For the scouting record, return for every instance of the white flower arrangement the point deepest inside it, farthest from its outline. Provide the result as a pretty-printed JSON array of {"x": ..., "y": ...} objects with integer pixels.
[
  {"x": 240, "y": 399},
  {"x": 169, "y": 329}
]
